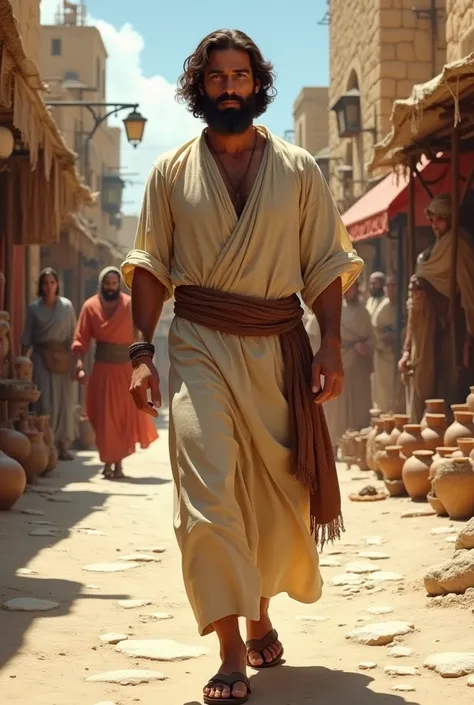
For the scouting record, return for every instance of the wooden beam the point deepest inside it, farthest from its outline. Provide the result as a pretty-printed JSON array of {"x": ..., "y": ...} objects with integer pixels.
[
  {"x": 454, "y": 240},
  {"x": 411, "y": 254}
]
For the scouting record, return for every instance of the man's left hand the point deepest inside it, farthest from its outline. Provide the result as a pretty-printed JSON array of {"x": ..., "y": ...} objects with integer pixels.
[{"x": 327, "y": 363}]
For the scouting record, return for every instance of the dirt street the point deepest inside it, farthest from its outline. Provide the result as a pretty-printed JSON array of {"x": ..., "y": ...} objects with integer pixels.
[{"x": 47, "y": 656}]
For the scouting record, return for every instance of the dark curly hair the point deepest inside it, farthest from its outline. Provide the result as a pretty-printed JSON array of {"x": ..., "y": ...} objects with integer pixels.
[
  {"x": 47, "y": 272},
  {"x": 192, "y": 79}
]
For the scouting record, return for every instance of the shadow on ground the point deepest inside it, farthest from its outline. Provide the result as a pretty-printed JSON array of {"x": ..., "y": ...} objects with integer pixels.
[
  {"x": 314, "y": 685},
  {"x": 18, "y": 548}
]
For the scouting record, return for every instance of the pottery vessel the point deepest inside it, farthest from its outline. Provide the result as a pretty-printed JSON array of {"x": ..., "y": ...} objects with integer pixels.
[
  {"x": 465, "y": 448},
  {"x": 462, "y": 427},
  {"x": 400, "y": 421},
  {"x": 391, "y": 462},
  {"x": 434, "y": 430},
  {"x": 23, "y": 368},
  {"x": 441, "y": 454},
  {"x": 48, "y": 435},
  {"x": 411, "y": 439},
  {"x": 362, "y": 452},
  {"x": 376, "y": 429},
  {"x": 433, "y": 406},
  {"x": 454, "y": 487},
  {"x": 382, "y": 440},
  {"x": 52, "y": 460},
  {"x": 416, "y": 474},
  {"x": 12, "y": 481},
  {"x": 395, "y": 488},
  {"x": 13, "y": 443},
  {"x": 86, "y": 434},
  {"x": 436, "y": 504},
  {"x": 37, "y": 460},
  {"x": 470, "y": 400}
]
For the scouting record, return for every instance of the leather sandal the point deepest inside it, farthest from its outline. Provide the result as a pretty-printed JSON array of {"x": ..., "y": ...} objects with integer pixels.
[
  {"x": 230, "y": 681},
  {"x": 258, "y": 645}
]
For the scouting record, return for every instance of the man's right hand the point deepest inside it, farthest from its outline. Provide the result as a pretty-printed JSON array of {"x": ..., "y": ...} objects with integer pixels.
[
  {"x": 404, "y": 363},
  {"x": 145, "y": 377}
]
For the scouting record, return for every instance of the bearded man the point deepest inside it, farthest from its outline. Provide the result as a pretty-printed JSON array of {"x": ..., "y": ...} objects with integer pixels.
[
  {"x": 385, "y": 376},
  {"x": 237, "y": 222},
  {"x": 117, "y": 424},
  {"x": 427, "y": 364},
  {"x": 377, "y": 281}
]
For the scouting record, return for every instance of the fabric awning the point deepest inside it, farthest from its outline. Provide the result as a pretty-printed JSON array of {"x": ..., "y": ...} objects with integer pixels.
[{"x": 432, "y": 109}]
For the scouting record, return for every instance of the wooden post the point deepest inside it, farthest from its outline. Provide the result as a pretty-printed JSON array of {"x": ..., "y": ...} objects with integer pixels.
[
  {"x": 411, "y": 253},
  {"x": 455, "y": 193}
]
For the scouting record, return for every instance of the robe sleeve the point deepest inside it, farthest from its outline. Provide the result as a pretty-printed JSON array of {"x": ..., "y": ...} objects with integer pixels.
[
  {"x": 72, "y": 321},
  {"x": 83, "y": 332},
  {"x": 27, "y": 339},
  {"x": 153, "y": 247},
  {"x": 326, "y": 251},
  {"x": 465, "y": 281}
]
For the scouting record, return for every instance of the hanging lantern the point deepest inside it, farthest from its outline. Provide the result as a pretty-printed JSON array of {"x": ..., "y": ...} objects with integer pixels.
[
  {"x": 135, "y": 127},
  {"x": 112, "y": 190},
  {"x": 347, "y": 110}
]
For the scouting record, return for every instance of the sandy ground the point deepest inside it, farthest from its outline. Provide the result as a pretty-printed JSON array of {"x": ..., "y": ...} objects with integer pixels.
[{"x": 46, "y": 656}]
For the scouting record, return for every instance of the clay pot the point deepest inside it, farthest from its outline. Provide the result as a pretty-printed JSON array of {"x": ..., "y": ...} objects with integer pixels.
[
  {"x": 454, "y": 487},
  {"x": 465, "y": 446},
  {"x": 382, "y": 440},
  {"x": 13, "y": 443},
  {"x": 433, "y": 406},
  {"x": 38, "y": 458},
  {"x": 441, "y": 454},
  {"x": 395, "y": 488},
  {"x": 86, "y": 434},
  {"x": 391, "y": 463},
  {"x": 400, "y": 421},
  {"x": 435, "y": 428},
  {"x": 470, "y": 400},
  {"x": 23, "y": 368},
  {"x": 362, "y": 452},
  {"x": 462, "y": 427},
  {"x": 436, "y": 504},
  {"x": 416, "y": 474},
  {"x": 376, "y": 429},
  {"x": 411, "y": 439},
  {"x": 12, "y": 481}
]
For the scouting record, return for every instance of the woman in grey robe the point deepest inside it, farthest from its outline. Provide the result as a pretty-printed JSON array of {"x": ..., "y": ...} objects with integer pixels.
[{"x": 49, "y": 329}]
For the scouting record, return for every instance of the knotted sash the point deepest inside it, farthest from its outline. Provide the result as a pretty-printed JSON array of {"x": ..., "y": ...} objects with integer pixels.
[{"x": 312, "y": 458}]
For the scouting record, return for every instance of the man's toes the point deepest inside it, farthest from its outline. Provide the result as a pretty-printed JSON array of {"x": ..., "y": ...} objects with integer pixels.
[
  {"x": 267, "y": 655},
  {"x": 255, "y": 658},
  {"x": 238, "y": 691}
]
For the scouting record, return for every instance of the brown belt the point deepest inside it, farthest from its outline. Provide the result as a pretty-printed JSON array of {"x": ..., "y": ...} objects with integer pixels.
[{"x": 111, "y": 353}]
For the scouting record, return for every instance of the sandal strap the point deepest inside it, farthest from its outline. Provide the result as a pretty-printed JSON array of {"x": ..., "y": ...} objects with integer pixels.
[
  {"x": 230, "y": 680},
  {"x": 259, "y": 645}
]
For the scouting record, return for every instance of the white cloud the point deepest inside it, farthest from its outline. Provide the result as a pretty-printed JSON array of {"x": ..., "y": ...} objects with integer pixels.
[{"x": 169, "y": 124}]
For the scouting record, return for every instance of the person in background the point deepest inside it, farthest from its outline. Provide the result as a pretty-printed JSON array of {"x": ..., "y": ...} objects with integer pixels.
[
  {"x": 47, "y": 338},
  {"x": 117, "y": 423},
  {"x": 385, "y": 375},
  {"x": 351, "y": 409},
  {"x": 377, "y": 281}
]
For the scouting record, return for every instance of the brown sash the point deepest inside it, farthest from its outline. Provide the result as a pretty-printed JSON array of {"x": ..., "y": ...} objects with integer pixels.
[
  {"x": 111, "y": 353},
  {"x": 56, "y": 356}
]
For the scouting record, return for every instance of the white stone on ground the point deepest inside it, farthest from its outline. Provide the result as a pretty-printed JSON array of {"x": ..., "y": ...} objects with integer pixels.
[
  {"x": 22, "y": 572},
  {"x": 152, "y": 549},
  {"x": 401, "y": 671},
  {"x": 373, "y": 555},
  {"x": 110, "y": 567},
  {"x": 470, "y": 682},
  {"x": 127, "y": 677},
  {"x": 60, "y": 498},
  {"x": 441, "y": 530},
  {"x": 367, "y": 665},
  {"x": 415, "y": 513},
  {"x": 386, "y": 577},
  {"x": 139, "y": 558},
  {"x": 132, "y": 604},
  {"x": 312, "y": 618},
  {"x": 160, "y": 650},
  {"x": 374, "y": 540},
  {"x": 160, "y": 616},
  {"x": 456, "y": 575},
  {"x": 346, "y": 579},
  {"x": 451, "y": 664},
  {"x": 451, "y": 539},
  {"x": 47, "y": 531},
  {"x": 33, "y": 512},
  {"x": 360, "y": 568},
  {"x": 112, "y": 638},
  {"x": 40, "y": 522},
  {"x": 403, "y": 688},
  {"x": 329, "y": 563},
  {"x": 106, "y": 702},
  {"x": 91, "y": 532},
  {"x": 379, "y": 634},
  {"x": 399, "y": 652},
  {"x": 29, "y": 604},
  {"x": 383, "y": 609}
]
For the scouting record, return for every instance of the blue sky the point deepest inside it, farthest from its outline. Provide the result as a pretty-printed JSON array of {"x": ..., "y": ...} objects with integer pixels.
[{"x": 147, "y": 42}]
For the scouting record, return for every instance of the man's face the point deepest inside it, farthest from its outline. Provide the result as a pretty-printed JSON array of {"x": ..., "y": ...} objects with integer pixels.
[
  {"x": 49, "y": 286},
  {"x": 376, "y": 286},
  {"x": 440, "y": 224},
  {"x": 229, "y": 92},
  {"x": 111, "y": 287}
]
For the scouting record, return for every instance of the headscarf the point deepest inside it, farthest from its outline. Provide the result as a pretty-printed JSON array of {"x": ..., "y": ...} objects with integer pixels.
[
  {"x": 104, "y": 272},
  {"x": 440, "y": 205}
]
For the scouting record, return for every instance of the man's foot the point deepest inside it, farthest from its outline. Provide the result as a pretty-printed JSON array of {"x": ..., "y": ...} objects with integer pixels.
[
  {"x": 263, "y": 647},
  {"x": 107, "y": 471},
  {"x": 63, "y": 452},
  {"x": 231, "y": 689},
  {"x": 118, "y": 472}
]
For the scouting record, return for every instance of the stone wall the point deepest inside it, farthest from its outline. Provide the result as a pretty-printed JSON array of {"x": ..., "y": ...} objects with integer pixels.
[
  {"x": 383, "y": 48},
  {"x": 310, "y": 118},
  {"x": 27, "y": 13},
  {"x": 459, "y": 29}
]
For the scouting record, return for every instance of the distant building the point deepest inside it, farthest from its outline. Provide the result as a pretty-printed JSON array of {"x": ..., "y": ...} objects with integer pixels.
[{"x": 310, "y": 120}]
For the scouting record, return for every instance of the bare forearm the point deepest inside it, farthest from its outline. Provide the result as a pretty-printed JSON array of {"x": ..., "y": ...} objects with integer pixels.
[
  {"x": 327, "y": 309},
  {"x": 148, "y": 296}
]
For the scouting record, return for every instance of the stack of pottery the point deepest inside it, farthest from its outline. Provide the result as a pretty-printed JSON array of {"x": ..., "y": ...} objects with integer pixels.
[
  {"x": 433, "y": 406},
  {"x": 434, "y": 430},
  {"x": 416, "y": 474},
  {"x": 411, "y": 439},
  {"x": 37, "y": 460},
  {"x": 14, "y": 449},
  {"x": 391, "y": 463},
  {"x": 462, "y": 427},
  {"x": 400, "y": 421},
  {"x": 382, "y": 440},
  {"x": 453, "y": 485}
]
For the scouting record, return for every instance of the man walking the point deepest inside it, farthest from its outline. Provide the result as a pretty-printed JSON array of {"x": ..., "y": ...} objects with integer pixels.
[
  {"x": 237, "y": 222},
  {"x": 117, "y": 424},
  {"x": 384, "y": 325},
  {"x": 377, "y": 282}
]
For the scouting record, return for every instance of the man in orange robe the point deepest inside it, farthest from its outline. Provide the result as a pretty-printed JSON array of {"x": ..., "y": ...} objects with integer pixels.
[{"x": 117, "y": 423}]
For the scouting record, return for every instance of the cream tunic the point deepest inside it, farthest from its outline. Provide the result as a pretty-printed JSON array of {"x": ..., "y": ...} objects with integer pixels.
[{"x": 241, "y": 520}]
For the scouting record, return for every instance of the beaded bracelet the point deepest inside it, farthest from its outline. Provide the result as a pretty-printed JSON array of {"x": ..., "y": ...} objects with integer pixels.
[{"x": 141, "y": 349}]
